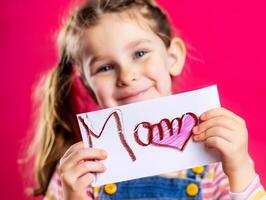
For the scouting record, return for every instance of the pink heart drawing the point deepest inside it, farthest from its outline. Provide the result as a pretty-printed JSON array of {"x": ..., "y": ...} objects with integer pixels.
[{"x": 175, "y": 134}]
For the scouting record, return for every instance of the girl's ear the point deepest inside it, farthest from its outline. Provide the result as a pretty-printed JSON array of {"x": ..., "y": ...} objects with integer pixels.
[{"x": 177, "y": 56}]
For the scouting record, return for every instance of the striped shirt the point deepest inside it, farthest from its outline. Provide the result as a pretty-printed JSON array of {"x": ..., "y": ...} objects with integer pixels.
[{"x": 214, "y": 184}]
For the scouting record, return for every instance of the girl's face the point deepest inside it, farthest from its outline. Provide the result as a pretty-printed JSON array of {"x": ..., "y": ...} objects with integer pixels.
[{"x": 125, "y": 62}]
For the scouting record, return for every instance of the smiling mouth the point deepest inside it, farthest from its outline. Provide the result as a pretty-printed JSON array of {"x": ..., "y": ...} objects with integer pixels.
[{"x": 133, "y": 97}]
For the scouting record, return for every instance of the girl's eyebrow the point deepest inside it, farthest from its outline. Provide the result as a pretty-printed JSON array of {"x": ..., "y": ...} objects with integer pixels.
[
  {"x": 135, "y": 43},
  {"x": 96, "y": 58},
  {"x": 131, "y": 44}
]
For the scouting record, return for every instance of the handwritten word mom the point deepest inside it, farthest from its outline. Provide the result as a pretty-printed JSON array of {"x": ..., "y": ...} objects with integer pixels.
[{"x": 166, "y": 133}]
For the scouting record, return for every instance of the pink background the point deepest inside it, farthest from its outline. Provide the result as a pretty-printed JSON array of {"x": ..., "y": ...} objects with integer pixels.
[{"x": 227, "y": 40}]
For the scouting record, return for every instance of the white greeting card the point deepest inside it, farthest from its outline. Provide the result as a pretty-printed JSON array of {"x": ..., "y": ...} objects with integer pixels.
[{"x": 149, "y": 137}]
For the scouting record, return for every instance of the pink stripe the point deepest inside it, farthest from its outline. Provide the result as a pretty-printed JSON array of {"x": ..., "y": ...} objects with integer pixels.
[
  {"x": 166, "y": 130},
  {"x": 207, "y": 185},
  {"x": 156, "y": 137},
  {"x": 224, "y": 192},
  {"x": 176, "y": 140},
  {"x": 220, "y": 191},
  {"x": 218, "y": 177},
  {"x": 208, "y": 195},
  {"x": 253, "y": 189}
]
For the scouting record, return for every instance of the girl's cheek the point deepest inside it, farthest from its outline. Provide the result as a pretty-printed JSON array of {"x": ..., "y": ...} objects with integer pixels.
[
  {"x": 103, "y": 100},
  {"x": 104, "y": 93}
]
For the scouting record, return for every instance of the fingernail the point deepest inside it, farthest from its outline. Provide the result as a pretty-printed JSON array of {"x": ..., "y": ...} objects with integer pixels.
[
  {"x": 203, "y": 116},
  {"x": 196, "y": 137},
  {"x": 195, "y": 129}
]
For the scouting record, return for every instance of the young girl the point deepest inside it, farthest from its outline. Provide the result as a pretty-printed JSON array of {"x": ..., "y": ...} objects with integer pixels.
[{"x": 124, "y": 52}]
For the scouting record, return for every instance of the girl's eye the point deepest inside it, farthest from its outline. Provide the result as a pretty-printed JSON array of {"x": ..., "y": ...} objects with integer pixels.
[
  {"x": 139, "y": 54},
  {"x": 104, "y": 68}
]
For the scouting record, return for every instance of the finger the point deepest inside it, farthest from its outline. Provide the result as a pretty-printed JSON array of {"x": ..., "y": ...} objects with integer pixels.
[
  {"x": 85, "y": 180},
  {"x": 221, "y": 112},
  {"x": 91, "y": 166},
  {"x": 82, "y": 154},
  {"x": 218, "y": 143},
  {"x": 220, "y": 121},
  {"x": 73, "y": 147},
  {"x": 86, "y": 167},
  {"x": 71, "y": 175},
  {"x": 221, "y": 132}
]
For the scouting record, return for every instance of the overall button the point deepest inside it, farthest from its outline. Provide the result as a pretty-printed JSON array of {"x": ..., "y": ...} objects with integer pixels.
[
  {"x": 110, "y": 188},
  {"x": 198, "y": 170},
  {"x": 192, "y": 189}
]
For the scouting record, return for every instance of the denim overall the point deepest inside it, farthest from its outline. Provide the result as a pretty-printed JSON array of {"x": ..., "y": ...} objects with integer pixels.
[{"x": 156, "y": 188}]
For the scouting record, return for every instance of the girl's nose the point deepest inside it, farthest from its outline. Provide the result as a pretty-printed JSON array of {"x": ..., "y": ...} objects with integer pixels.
[{"x": 126, "y": 76}]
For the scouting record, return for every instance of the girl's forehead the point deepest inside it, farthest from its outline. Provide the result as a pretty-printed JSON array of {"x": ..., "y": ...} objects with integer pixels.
[{"x": 116, "y": 30}]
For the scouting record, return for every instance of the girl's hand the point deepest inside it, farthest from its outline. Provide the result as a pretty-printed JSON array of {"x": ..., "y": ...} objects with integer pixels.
[
  {"x": 77, "y": 168},
  {"x": 225, "y": 131}
]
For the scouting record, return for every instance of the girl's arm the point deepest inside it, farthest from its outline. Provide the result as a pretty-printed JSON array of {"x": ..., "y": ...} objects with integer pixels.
[
  {"x": 254, "y": 191},
  {"x": 215, "y": 185},
  {"x": 225, "y": 131}
]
